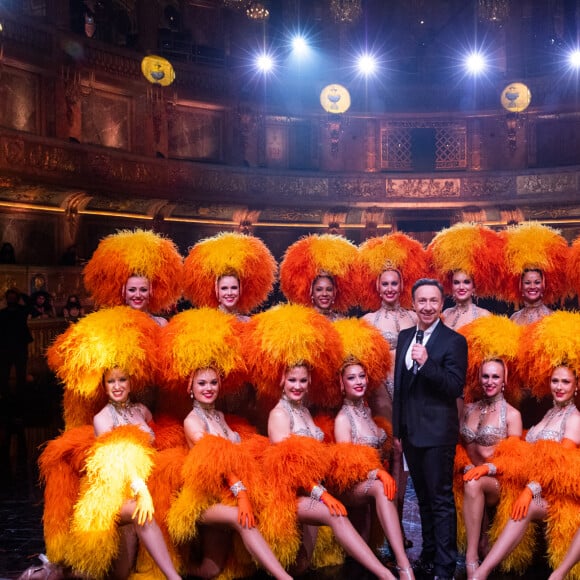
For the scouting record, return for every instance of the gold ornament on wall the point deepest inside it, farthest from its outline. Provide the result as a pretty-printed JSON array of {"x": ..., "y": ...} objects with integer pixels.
[{"x": 157, "y": 70}]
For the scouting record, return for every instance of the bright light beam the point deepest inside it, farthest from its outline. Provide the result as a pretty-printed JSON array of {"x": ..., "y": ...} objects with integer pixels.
[
  {"x": 475, "y": 63},
  {"x": 367, "y": 64},
  {"x": 574, "y": 59},
  {"x": 264, "y": 63},
  {"x": 300, "y": 46}
]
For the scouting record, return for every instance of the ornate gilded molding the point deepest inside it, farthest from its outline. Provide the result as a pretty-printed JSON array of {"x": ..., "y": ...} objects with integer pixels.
[{"x": 423, "y": 188}]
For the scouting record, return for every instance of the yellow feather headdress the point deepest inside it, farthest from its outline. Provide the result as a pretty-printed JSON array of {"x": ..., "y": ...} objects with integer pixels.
[
  {"x": 229, "y": 253},
  {"x": 134, "y": 253},
  {"x": 532, "y": 245},
  {"x": 113, "y": 337},
  {"x": 396, "y": 251},
  {"x": 471, "y": 248},
  {"x": 364, "y": 344},
  {"x": 197, "y": 339},
  {"x": 488, "y": 338},
  {"x": 315, "y": 255},
  {"x": 546, "y": 344},
  {"x": 288, "y": 335}
]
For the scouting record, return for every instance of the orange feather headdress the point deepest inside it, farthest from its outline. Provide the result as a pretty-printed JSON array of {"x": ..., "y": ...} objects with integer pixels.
[
  {"x": 289, "y": 335},
  {"x": 319, "y": 255},
  {"x": 113, "y": 337},
  {"x": 134, "y": 253},
  {"x": 533, "y": 246},
  {"x": 363, "y": 344},
  {"x": 488, "y": 338},
  {"x": 198, "y": 339},
  {"x": 573, "y": 267},
  {"x": 546, "y": 344},
  {"x": 471, "y": 248},
  {"x": 229, "y": 254},
  {"x": 398, "y": 252}
]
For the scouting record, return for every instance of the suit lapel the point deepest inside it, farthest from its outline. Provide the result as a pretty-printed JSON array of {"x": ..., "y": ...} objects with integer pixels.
[{"x": 402, "y": 354}]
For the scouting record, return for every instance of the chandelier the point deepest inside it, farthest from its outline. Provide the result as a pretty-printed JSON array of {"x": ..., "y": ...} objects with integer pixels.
[
  {"x": 494, "y": 11},
  {"x": 257, "y": 11},
  {"x": 345, "y": 11}
]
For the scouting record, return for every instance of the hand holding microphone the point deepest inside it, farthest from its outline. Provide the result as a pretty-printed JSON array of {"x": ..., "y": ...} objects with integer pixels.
[{"x": 417, "y": 353}]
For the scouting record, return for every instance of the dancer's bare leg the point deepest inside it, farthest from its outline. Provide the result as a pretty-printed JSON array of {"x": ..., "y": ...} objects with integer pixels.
[
  {"x": 152, "y": 538},
  {"x": 215, "y": 546},
  {"x": 316, "y": 513},
  {"x": 570, "y": 559},
  {"x": 510, "y": 537},
  {"x": 477, "y": 493},
  {"x": 388, "y": 518},
  {"x": 125, "y": 560},
  {"x": 253, "y": 540},
  {"x": 304, "y": 557}
]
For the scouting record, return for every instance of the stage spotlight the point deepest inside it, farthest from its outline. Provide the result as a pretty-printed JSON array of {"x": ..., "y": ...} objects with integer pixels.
[
  {"x": 475, "y": 63},
  {"x": 300, "y": 46},
  {"x": 574, "y": 59},
  {"x": 367, "y": 64},
  {"x": 264, "y": 62}
]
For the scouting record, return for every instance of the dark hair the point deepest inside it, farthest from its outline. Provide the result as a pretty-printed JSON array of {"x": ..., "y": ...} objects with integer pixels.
[{"x": 427, "y": 282}]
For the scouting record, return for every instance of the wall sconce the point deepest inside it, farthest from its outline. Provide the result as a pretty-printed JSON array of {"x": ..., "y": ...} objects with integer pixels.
[
  {"x": 335, "y": 100},
  {"x": 512, "y": 124},
  {"x": 515, "y": 98},
  {"x": 335, "y": 130}
]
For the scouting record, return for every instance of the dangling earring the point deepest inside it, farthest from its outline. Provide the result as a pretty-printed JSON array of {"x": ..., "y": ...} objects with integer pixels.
[
  {"x": 576, "y": 392},
  {"x": 191, "y": 394},
  {"x": 503, "y": 388}
]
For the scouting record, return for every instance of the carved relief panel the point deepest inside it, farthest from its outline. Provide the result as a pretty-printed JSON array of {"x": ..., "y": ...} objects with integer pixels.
[
  {"x": 19, "y": 100},
  {"x": 196, "y": 133},
  {"x": 106, "y": 119}
]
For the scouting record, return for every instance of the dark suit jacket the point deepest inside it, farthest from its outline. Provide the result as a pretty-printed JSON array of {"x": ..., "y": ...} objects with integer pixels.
[{"x": 431, "y": 409}]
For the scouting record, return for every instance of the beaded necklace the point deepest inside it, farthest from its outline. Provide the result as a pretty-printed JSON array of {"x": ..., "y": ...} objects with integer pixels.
[
  {"x": 121, "y": 412},
  {"x": 297, "y": 409},
  {"x": 361, "y": 410},
  {"x": 206, "y": 412},
  {"x": 458, "y": 311}
]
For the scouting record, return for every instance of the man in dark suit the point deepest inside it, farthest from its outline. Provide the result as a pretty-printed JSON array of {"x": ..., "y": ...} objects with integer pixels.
[{"x": 430, "y": 367}]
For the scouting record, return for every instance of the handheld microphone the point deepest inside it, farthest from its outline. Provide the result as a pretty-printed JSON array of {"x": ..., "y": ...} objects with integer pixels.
[{"x": 418, "y": 340}]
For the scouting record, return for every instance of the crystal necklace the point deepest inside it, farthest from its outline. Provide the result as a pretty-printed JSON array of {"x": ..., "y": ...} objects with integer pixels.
[
  {"x": 297, "y": 409},
  {"x": 458, "y": 311},
  {"x": 361, "y": 410},
  {"x": 207, "y": 411},
  {"x": 489, "y": 404},
  {"x": 122, "y": 412},
  {"x": 397, "y": 313}
]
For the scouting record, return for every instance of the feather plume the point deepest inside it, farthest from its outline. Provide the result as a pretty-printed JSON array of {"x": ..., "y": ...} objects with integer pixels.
[
  {"x": 532, "y": 245},
  {"x": 573, "y": 267},
  {"x": 396, "y": 251},
  {"x": 113, "y": 337},
  {"x": 364, "y": 343},
  {"x": 198, "y": 339},
  {"x": 228, "y": 253},
  {"x": 492, "y": 337},
  {"x": 470, "y": 248},
  {"x": 134, "y": 253},
  {"x": 350, "y": 464},
  {"x": 548, "y": 343},
  {"x": 290, "y": 468},
  {"x": 287, "y": 335},
  {"x": 114, "y": 461},
  {"x": 313, "y": 255},
  {"x": 61, "y": 463}
]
